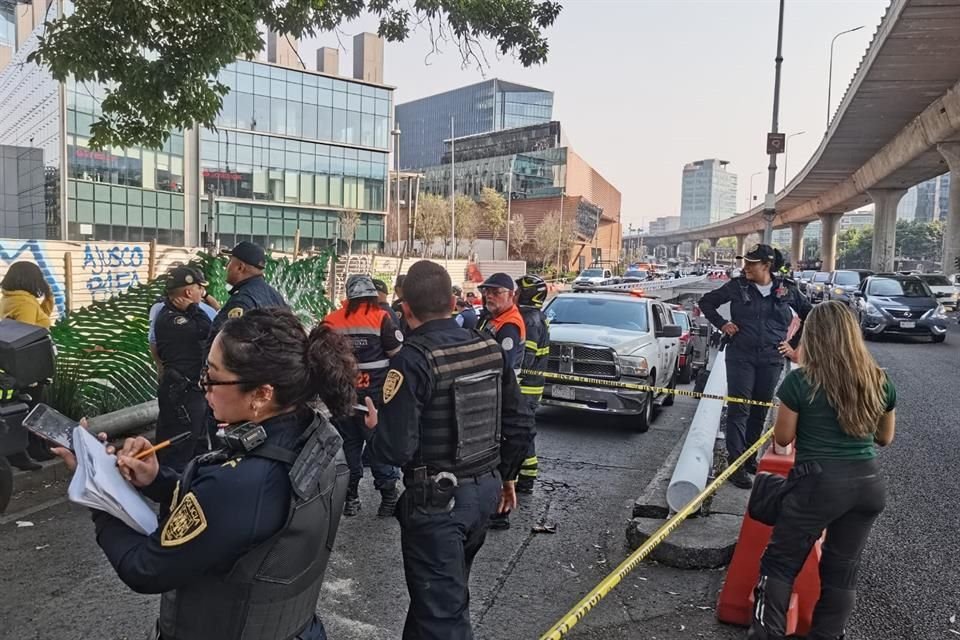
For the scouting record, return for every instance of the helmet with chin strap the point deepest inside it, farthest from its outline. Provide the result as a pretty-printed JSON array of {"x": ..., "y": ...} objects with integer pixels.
[{"x": 532, "y": 291}]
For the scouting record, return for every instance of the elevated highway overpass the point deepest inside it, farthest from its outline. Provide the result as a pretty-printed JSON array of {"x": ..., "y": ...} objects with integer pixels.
[{"x": 897, "y": 125}]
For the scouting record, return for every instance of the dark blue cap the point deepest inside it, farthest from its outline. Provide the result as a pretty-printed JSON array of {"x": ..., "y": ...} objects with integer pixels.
[
  {"x": 501, "y": 280},
  {"x": 249, "y": 253}
]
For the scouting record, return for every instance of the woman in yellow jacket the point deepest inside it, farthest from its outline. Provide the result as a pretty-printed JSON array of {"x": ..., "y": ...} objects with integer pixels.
[{"x": 25, "y": 296}]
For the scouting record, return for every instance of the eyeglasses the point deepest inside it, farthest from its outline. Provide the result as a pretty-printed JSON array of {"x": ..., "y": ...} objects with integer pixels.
[
  {"x": 206, "y": 382},
  {"x": 497, "y": 292}
]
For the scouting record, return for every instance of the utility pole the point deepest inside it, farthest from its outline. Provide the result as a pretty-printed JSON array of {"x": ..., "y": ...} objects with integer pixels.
[{"x": 770, "y": 202}]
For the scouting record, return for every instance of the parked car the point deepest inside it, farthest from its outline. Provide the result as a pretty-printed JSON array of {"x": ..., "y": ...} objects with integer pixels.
[
  {"x": 634, "y": 275},
  {"x": 690, "y": 359},
  {"x": 804, "y": 279},
  {"x": 593, "y": 278},
  {"x": 844, "y": 283},
  {"x": 900, "y": 305},
  {"x": 611, "y": 336},
  {"x": 817, "y": 286},
  {"x": 944, "y": 290}
]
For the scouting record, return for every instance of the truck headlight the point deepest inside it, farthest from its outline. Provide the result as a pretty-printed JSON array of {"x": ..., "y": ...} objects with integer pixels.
[
  {"x": 838, "y": 291},
  {"x": 871, "y": 309},
  {"x": 636, "y": 366},
  {"x": 939, "y": 312}
]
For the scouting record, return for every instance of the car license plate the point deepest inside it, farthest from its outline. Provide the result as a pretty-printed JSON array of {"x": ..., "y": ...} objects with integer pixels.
[
  {"x": 563, "y": 393},
  {"x": 908, "y": 324}
]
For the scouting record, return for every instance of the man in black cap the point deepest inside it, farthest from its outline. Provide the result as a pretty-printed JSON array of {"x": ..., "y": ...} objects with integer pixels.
[
  {"x": 762, "y": 305},
  {"x": 179, "y": 326},
  {"x": 248, "y": 288},
  {"x": 382, "y": 293}
]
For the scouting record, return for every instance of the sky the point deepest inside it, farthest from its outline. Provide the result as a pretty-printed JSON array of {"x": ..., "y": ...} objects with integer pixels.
[{"x": 642, "y": 87}]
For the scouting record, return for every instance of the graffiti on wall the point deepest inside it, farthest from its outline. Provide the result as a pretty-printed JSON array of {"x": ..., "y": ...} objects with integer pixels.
[
  {"x": 33, "y": 251},
  {"x": 108, "y": 270}
]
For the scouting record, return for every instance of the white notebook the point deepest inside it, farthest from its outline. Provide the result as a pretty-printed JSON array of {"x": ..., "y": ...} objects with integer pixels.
[{"x": 97, "y": 484}]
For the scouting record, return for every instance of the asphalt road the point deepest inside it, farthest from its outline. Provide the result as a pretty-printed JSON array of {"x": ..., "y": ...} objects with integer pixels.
[{"x": 55, "y": 583}]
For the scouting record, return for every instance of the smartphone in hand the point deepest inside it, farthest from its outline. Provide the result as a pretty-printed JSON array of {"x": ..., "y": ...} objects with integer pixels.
[{"x": 51, "y": 425}]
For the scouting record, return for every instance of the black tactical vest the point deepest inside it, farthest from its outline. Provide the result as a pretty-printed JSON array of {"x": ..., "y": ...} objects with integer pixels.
[
  {"x": 271, "y": 592},
  {"x": 180, "y": 340},
  {"x": 536, "y": 351},
  {"x": 460, "y": 426}
]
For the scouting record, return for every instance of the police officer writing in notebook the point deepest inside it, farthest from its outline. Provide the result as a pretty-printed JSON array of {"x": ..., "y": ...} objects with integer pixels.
[
  {"x": 244, "y": 549},
  {"x": 762, "y": 304},
  {"x": 440, "y": 422}
]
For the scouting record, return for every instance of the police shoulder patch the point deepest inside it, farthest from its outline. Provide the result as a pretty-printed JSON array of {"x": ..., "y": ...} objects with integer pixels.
[
  {"x": 398, "y": 335},
  {"x": 185, "y": 523},
  {"x": 391, "y": 385},
  {"x": 236, "y": 312},
  {"x": 507, "y": 344}
]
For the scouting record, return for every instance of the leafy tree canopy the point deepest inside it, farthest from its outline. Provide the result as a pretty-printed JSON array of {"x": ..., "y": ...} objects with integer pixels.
[{"x": 159, "y": 58}]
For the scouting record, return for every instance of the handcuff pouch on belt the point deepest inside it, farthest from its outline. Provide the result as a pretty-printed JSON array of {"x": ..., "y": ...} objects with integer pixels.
[
  {"x": 178, "y": 387},
  {"x": 433, "y": 494}
]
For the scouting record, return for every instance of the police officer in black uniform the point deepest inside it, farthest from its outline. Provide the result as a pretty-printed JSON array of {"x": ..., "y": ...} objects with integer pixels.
[
  {"x": 762, "y": 305},
  {"x": 439, "y": 423},
  {"x": 180, "y": 330},
  {"x": 249, "y": 290},
  {"x": 244, "y": 549}
]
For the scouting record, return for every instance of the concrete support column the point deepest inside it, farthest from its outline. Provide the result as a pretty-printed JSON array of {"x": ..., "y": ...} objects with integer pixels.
[
  {"x": 741, "y": 244},
  {"x": 951, "y": 233},
  {"x": 796, "y": 241},
  {"x": 885, "y": 203},
  {"x": 713, "y": 249},
  {"x": 828, "y": 240}
]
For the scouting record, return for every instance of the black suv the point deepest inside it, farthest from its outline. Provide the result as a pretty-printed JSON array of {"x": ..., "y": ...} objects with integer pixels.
[
  {"x": 844, "y": 283},
  {"x": 903, "y": 305}
]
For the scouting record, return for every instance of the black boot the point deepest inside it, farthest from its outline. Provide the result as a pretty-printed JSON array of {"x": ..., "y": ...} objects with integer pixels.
[
  {"x": 741, "y": 479},
  {"x": 750, "y": 466},
  {"x": 23, "y": 462},
  {"x": 351, "y": 506},
  {"x": 770, "y": 604},
  {"x": 389, "y": 496},
  {"x": 831, "y": 613},
  {"x": 499, "y": 521}
]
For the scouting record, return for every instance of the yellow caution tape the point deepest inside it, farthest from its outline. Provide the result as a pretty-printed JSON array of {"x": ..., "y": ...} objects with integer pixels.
[
  {"x": 589, "y": 601},
  {"x": 565, "y": 377}
]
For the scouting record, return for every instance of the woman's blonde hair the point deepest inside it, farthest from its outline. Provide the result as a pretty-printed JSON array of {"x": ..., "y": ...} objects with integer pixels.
[{"x": 836, "y": 360}]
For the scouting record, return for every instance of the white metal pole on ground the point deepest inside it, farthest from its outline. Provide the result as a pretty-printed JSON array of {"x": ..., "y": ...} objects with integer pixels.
[{"x": 696, "y": 458}]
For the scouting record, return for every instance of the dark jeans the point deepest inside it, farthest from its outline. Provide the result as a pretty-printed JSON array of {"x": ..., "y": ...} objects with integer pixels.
[
  {"x": 755, "y": 381},
  {"x": 844, "y": 498},
  {"x": 438, "y": 552},
  {"x": 351, "y": 429},
  {"x": 180, "y": 411}
]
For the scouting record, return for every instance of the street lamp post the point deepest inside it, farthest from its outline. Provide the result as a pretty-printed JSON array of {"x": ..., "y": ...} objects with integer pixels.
[
  {"x": 830, "y": 73},
  {"x": 395, "y": 132},
  {"x": 786, "y": 154},
  {"x": 770, "y": 201}
]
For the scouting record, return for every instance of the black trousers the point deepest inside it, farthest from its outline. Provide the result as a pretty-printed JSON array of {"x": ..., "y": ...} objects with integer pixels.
[
  {"x": 754, "y": 380},
  {"x": 844, "y": 498},
  {"x": 180, "y": 410},
  {"x": 438, "y": 552}
]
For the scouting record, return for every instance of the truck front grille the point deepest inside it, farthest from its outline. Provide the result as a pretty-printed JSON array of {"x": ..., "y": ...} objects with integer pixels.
[{"x": 575, "y": 359}]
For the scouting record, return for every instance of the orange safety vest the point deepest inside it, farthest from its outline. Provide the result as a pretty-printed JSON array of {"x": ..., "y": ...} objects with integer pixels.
[
  {"x": 511, "y": 316},
  {"x": 363, "y": 327}
]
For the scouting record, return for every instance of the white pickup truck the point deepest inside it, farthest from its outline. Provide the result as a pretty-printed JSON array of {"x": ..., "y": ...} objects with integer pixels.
[{"x": 611, "y": 336}]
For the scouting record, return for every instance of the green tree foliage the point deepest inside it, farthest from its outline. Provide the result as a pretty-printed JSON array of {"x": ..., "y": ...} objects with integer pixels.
[
  {"x": 432, "y": 222},
  {"x": 468, "y": 221},
  {"x": 550, "y": 235},
  {"x": 856, "y": 247},
  {"x": 159, "y": 58},
  {"x": 103, "y": 359},
  {"x": 493, "y": 211}
]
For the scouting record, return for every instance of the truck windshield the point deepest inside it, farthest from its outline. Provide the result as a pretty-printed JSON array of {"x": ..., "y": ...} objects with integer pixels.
[
  {"x": 846, "y": 278},
  {"x": 936, "y": 281},
  {"x": 905, "y": 288},
  {"x": 591, "y": 273},
  {"x": 680, "y": 318},
  {"x": 821, "y": 276},
  {"x": 603, "y": 312}
]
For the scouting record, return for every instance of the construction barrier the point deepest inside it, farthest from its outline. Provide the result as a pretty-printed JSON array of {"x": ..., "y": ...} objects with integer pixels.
[
  {"x": 734, "y": 605},
  {"x": 595, "y": 595}
]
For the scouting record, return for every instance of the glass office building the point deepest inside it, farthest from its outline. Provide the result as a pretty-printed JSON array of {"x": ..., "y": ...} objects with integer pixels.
[
  {"x": 291, "y": 151},
  {"x": 493, "y": 105}
]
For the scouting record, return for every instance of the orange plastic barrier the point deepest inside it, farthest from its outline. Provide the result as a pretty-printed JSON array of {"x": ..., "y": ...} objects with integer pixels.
[{"x": 735, "y": 604}]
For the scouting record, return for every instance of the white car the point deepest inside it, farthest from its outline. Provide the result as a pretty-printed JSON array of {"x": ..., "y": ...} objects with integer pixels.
[
  {"x": 947, "y": 292},
  {"x": 611, "y": 336},
  {"x": 593, "y": 277}
]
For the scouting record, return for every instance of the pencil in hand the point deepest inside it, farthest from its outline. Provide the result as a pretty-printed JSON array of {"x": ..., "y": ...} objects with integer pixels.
[{"x": 163, "y": 445}]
